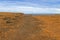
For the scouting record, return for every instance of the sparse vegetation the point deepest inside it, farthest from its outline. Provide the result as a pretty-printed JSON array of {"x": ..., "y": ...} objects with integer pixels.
[{"x": 29, "y": 27}]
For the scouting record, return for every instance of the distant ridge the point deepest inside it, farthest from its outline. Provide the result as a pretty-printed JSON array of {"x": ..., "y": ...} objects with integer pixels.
[
  {"x": 28, "y": 14},
  {"x": 44, "y": 14}
]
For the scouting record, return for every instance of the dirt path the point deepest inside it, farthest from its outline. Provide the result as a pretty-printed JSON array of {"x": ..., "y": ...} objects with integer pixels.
[{"x": 28, "y": 27}]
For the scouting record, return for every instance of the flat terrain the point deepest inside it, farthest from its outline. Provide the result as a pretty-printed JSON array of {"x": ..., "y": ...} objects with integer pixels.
[
  {"x": 18, "y": 26},
  {"x": 52, "y": 25}
]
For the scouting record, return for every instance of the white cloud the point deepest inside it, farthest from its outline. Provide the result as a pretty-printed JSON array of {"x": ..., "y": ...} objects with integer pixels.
[
  {"x": 26, "y": 8},
  {"x": 29, "y": 9}
]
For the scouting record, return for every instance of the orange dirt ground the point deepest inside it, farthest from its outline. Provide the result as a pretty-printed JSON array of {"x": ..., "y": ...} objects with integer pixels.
[{"x": 18, "y": 26}]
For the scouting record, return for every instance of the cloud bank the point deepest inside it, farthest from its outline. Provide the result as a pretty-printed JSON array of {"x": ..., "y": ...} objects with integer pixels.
[{"x": 27, "y": 8}]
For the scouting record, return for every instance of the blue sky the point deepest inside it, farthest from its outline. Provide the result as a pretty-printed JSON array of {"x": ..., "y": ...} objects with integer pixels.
[{"x": 30, "y": 6}]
